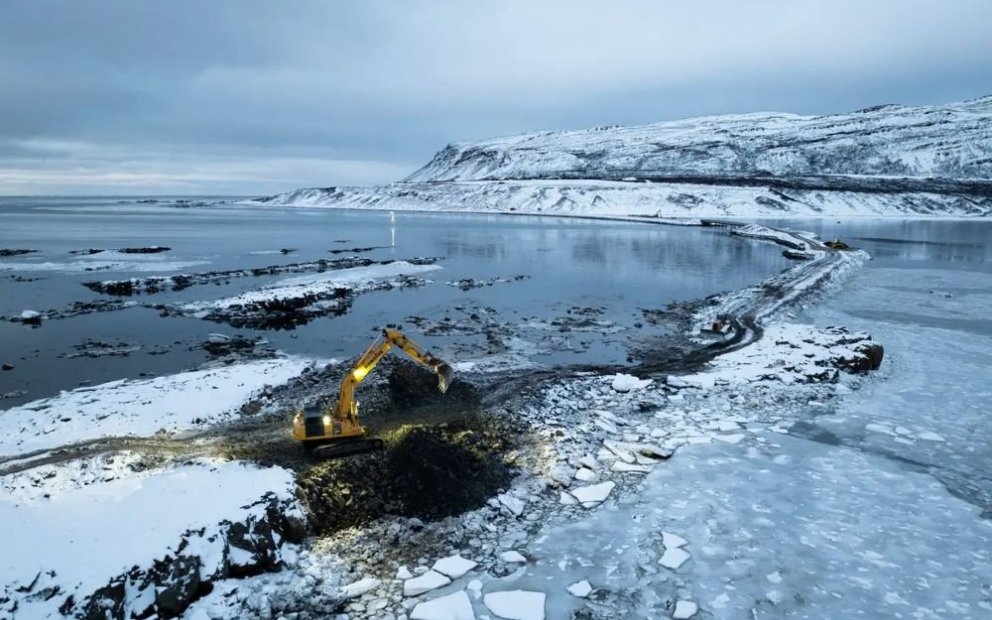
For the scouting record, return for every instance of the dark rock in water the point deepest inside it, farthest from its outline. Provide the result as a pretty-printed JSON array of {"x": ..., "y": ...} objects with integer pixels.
[
  {"x": 875, "y": 353},
  {"x": 152, "y": 249},
  {"x": 467, "y": 284},
  {"x": 355, "y": 250},
  {"x": 287, "y": 250},
  {"x": 293, "y": 310},
  {"x": 15, "y": 252},
  {"x": 29, "y": 317},
  {"x": 87, "y": 251},
  {"x": 869, "y": 357},
  {"x": 158, "y": 284},
  {"x": 98, "y": 348},
  {"x": 237, "y": 348},
  {"x": 8, "y": 366},
  {"x": 117, "y": 287}
]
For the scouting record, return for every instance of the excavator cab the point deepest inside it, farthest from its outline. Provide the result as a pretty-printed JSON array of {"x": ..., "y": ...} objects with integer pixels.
[{"x": 334, "y": 431}]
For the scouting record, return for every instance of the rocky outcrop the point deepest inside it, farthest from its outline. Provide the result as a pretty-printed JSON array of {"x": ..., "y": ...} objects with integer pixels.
[{"x": 170, "y": 584}]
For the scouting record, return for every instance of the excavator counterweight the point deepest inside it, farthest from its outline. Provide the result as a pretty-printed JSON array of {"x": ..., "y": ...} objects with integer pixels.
[{"x": 334, "y": 431}]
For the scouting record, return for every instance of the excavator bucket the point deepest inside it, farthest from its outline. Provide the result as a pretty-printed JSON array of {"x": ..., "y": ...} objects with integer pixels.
[
  {"x": 445, "y": 374},
  {"x": 341, "y": 448}
]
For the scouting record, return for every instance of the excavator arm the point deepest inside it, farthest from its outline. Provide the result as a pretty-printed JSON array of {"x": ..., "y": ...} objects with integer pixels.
[{"x": 315, "y": 427}]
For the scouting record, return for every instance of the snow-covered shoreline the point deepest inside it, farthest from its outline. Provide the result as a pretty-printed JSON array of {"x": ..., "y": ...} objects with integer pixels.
[
  {"x": 146, "y": 407},
  {"x": 620, "y": 199}
]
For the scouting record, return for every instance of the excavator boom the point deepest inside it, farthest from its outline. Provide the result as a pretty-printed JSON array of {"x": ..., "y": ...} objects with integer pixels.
[{"x": 333, "y": 432}]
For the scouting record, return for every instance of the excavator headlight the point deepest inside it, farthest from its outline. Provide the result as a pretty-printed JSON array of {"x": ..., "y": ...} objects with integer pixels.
[
  {"x": 359, "y": 373},
  {"x": 327, "y": 420}
]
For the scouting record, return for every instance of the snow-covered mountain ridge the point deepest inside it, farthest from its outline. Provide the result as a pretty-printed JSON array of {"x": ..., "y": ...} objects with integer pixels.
[
  {"x": 879, "y": 162},
  {"x": 951, "y": 142}
]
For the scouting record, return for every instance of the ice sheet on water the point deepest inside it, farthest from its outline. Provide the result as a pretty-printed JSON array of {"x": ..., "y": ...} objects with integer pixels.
[
  {"x": 841, "y": 531},
  {"x": 930, "y": 402}
]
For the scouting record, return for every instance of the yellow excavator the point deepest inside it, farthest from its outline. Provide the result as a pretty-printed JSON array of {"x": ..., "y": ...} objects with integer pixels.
[{"x": 334, "y": 432}]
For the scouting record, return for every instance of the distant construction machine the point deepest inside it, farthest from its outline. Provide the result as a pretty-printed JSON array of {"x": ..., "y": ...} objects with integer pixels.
[{"x": 334, "y": 432}]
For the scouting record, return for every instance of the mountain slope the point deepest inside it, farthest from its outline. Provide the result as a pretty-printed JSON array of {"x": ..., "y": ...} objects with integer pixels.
[
  {"x": 951, "y": 141},
  {"x": 883, "y": 161}
]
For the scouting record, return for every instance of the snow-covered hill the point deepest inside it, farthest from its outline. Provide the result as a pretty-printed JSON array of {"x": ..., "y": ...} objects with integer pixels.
[
  {"x": 951, "y": 141},
  {"x": 612, "y": 198},
  {"x": 884, "y": 161}
]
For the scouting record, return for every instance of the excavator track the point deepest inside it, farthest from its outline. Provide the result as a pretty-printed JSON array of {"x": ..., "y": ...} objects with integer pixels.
[{"x": 341, "y": 448}]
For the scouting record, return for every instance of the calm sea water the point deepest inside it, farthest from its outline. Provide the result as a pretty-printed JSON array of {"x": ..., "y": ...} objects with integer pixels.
[{"x": 617, "y": 268}]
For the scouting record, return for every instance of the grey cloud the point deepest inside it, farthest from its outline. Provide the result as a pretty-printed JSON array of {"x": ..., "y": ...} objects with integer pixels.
[{"x": 169, "y": 90}]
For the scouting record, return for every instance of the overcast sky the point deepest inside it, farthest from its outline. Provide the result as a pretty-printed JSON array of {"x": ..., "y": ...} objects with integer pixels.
[{"x": 261, "y": 96}]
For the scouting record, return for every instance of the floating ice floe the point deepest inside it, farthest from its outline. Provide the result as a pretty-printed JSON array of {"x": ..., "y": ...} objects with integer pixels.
[
  {"x": 431, "y": 580},
  {"x": 672, "y": 541},
  {"x": 584, "y": 474},
  {"x": 516, "y": 604},
  {"x": 580, "y": 589},
  {"x": 451, "y": 607},
  {"x": 454, "y": 566},
  {"x": 309, "y": 285},
  {"x": 674, "y": 557},
  {"x": 512, "y": 557},
  {"x": 684, "y": 610},
  {"x": 593, "y": 494}
]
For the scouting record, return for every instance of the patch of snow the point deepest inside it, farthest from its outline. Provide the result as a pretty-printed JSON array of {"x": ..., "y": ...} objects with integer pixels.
[
  {"x": 82, "y": 266},
  {"x": 140, "y": 407},
  {"x": 626, "y": 383},
  {"x": 513, "y": 504},
  {"x": 87, "y": 535}
]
